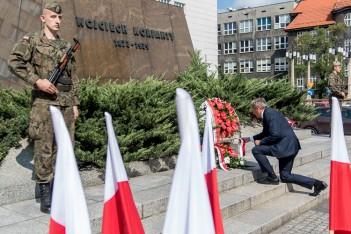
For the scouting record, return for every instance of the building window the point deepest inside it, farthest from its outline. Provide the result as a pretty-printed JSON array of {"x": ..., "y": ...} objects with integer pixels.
[
  {"x": 313, "y": 78},
  {"x": 230, "y": 48},
  {"x": 164, "y": 1},
  {"x": 300, "y": 33},
  {"x": 300, "y": 83},
  {"x": 347, "y": 19},
  {"x": 263, "y": 65},
  {"x": 246, "y": 26},
  {"x": 246, "y": 66},
  {"x": 281, "y": 21},
  {"x": 230, "y": 67},
  {"x": 281, "y": 42},
  {"x": 219, "y": 49},
  {"x": 347, "y": 42},
  {"x": 264, "y": 24},
  {"x": 281, "y": 64},
  {"x": 246, "y": 46},
  {"x": 229, "y": 28},
  {"x": 263, "y": 44},
  {"x": 179, "y": 4},
  {"x": 219, "y": 32}
]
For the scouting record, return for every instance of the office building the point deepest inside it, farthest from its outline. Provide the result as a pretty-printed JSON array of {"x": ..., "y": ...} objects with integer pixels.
[{"x": 252, "y": 41}]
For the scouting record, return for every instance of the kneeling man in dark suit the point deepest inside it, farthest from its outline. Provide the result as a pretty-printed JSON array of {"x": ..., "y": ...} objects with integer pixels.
[{"x": 278, "y": 139}]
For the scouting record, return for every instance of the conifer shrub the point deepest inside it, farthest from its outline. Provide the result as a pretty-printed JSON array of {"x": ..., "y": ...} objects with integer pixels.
[
  {"x": 144, "y": 112},
  {"x": 14, "y": 111}
]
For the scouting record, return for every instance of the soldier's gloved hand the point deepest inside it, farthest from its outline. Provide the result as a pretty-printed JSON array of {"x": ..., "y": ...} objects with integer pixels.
[{"x": 46, "y": 86}]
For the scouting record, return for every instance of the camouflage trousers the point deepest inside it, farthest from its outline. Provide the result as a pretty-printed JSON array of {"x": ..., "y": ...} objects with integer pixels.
[{"x": 41, "y": 131}]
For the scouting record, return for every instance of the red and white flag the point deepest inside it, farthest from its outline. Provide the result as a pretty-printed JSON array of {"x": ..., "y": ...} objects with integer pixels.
[
  {"x": 340, "y": 176},
  {"x": 69, "y": 212},
  {"x": 189, "y": 209},
  {"x": 209, "y": 167},
  {"x": 120, "y": 213}
]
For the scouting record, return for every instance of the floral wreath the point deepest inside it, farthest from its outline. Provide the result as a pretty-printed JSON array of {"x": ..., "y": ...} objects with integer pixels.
[{"x": 226, "y": 130}]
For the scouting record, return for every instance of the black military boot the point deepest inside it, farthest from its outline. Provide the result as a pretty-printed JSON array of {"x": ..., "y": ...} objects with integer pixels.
[{"x": 45, "y": 200}]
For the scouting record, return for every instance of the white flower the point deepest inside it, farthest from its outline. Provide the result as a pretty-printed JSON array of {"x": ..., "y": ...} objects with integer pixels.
[
  {"x": 242, "y": 162},
  {"x": 226, "y": 160}
]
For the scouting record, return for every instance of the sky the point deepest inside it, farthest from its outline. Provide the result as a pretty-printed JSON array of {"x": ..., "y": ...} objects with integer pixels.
[{"x": 222, "y": 5}]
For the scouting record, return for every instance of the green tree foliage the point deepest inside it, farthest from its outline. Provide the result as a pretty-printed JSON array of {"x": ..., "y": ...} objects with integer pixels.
[
  {"x": 144, "y": 112},
  {"x": 319, "y": 44}
]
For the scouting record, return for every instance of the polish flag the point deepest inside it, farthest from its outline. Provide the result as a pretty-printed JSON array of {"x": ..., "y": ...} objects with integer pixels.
[
  {"x": 69, "y": 212},
  {"x": 120, "y": 213},
  {"x": 189, "y": 209},
  {"x": 340, "y": 176},
  {"x": 209, "y": 167}
]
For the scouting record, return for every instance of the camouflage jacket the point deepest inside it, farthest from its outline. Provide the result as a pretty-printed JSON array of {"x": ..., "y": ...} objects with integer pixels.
[
  {"x": 34, "y": 57},
  {"x": 335, "y": 85}
]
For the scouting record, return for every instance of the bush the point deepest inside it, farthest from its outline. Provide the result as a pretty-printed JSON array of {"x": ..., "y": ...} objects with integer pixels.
[
  {"x": 144, "y": 112},
  {"x": 14, "y": 112}
]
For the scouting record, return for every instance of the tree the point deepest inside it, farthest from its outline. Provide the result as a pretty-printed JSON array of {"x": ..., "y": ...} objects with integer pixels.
[{"x": 318, "y": 43}]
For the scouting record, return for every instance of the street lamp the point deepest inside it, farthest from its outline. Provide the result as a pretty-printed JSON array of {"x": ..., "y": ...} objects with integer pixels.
[
  {"x": 336, "y": 50},
  {"x": 291, "y": 55},
  {"x": 309, "y": 57}
]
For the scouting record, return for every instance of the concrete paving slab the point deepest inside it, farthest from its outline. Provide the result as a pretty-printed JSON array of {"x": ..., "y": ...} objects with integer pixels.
[
  {"x": 28, "y": 208},
  {"x": 10, "y": 217},
  {"x": 25, "y": 227}
]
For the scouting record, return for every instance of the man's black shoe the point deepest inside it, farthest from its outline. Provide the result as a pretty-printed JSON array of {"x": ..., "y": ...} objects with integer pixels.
[
  {"x": 268, "y": 180},
  {"x": 45, "y": 199},
  {"x": 318, "y": 187}
]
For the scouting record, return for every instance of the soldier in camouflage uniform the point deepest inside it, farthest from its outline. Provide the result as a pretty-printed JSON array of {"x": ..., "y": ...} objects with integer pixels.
[
  {"x": 336, "y": 84},
  {"x": 33, "y": 59}
]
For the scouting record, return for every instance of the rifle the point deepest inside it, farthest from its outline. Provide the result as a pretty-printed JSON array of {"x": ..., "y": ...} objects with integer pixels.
[{"x": 61, "y": 65}]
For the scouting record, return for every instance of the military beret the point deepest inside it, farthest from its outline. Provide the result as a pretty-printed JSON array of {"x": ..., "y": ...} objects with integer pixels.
[
  {"x": 336, "y": 63},
  {"x": 54, "y": 6}
]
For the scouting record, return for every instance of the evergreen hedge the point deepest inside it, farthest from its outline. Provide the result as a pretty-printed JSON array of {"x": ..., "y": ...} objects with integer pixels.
[{"x": 144, "y": 112}]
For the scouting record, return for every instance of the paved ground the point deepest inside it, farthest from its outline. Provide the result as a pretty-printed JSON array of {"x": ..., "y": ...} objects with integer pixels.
[{"x": 314, "y": 221}]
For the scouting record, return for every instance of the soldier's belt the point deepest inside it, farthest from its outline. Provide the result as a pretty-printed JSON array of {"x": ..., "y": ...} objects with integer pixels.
[
  {"x": 64, "y": 84},
  {"x": 63, "y": 88},
  {"x": 65, "y": 80}
]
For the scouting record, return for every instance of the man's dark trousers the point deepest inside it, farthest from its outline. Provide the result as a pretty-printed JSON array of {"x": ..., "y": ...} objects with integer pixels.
[{"x": 285, "y": 167}]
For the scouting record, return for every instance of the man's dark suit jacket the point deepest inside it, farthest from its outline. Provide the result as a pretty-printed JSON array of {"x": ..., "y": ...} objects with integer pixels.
[{"x": 278, "y": 134}]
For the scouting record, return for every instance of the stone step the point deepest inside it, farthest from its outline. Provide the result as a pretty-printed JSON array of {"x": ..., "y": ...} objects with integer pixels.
[
  {"x": 17, "y": 177},
  {"x": 274, "y": 213},
  {"x": 151, "y": 193},
  {"x": 241, "y": 199}
]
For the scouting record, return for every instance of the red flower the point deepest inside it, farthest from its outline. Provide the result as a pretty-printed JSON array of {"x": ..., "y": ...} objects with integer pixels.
[
  {"x": 223, "y": 126},
  {"x": 230, "y": 130},
  {"x": 223, "y": 115}
]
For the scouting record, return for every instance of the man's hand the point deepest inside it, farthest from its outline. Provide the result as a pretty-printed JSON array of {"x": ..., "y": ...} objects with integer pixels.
[
  {"x": 257, "y": 142},
  {"x": 75, "y": 111},
  {"x": 46, "y": 86}
]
